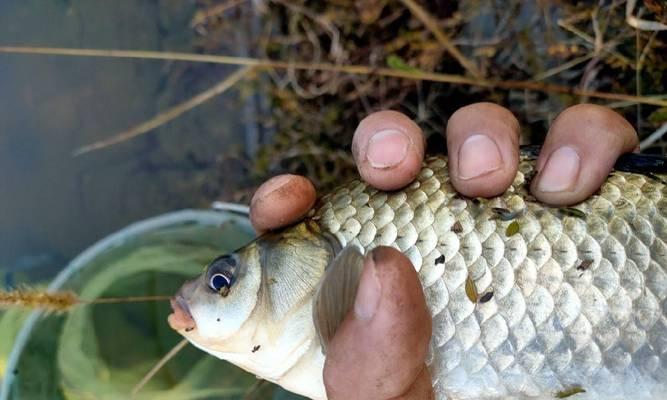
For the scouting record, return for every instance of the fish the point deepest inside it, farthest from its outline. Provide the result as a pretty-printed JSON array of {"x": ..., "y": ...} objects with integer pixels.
[{"x": 527, "y": 300}]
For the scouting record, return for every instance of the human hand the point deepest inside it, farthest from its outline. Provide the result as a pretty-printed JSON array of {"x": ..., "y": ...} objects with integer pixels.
[{"x": 379, "y": 351}]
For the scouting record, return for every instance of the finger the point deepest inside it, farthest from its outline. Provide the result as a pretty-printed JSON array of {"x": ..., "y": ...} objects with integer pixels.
[
  {"x": 483, "y": 148},
  {"x": 379, "y": 350},
  {"x": 281, "y": 201},
  {"x": 579, "y": 152},
  {"x": 388, "y": 148}
]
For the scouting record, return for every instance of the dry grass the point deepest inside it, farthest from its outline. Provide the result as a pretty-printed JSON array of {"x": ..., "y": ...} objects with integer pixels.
[{"x": 60, "y": 302}]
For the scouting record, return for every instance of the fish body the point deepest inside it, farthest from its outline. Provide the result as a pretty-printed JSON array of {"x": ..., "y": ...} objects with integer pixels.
[{"x": 527, "y": 300}]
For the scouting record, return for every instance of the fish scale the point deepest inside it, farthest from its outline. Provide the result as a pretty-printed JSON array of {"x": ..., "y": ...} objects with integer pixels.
[{"x": 579, "y": 301}]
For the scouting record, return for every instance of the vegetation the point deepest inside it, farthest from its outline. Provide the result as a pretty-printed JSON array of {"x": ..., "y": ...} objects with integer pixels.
[{"x": 608, "y": 46}]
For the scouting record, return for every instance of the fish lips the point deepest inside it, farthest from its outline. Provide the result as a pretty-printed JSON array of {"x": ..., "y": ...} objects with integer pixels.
[{"x": 181, "y": 317}]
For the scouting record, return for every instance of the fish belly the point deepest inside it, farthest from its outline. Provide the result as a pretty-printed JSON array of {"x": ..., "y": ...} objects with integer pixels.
[{"x": 528, "y": 300}]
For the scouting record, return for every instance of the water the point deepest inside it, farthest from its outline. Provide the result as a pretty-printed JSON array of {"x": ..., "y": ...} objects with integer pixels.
[{"x": 52, "y": 205}]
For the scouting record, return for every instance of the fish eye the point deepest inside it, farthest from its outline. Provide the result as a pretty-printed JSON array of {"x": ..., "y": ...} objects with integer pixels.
[
  {"x": 220, "y": 282},
  {"x": 220, "y": 274}
]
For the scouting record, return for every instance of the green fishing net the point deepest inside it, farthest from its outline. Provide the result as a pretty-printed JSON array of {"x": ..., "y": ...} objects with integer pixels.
[{"x": 102, "y": 351}]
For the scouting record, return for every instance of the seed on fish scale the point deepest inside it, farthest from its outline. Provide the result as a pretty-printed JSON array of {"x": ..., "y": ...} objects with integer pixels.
[{"x": 431, "y": 270}]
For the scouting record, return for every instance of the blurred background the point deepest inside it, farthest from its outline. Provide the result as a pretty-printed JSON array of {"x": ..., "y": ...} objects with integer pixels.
[
  {"x": 171, "y": 134},
  {"x": 53, "y": 204}
]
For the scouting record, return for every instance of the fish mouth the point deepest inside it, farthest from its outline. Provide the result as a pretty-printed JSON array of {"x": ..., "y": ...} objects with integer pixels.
[{"x": 181, "y": 317}]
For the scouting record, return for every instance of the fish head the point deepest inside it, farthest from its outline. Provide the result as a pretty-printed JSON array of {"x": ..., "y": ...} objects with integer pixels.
[
  {"x": 257, "y": 296},
  {"x": 211, "y": 309},
  {"x": 253, "y": 308}
]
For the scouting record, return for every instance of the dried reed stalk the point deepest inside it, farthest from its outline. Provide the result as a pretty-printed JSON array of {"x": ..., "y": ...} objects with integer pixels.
[
  {"x": 348, "y": 69},
  {"x": 60, "y": 302}
]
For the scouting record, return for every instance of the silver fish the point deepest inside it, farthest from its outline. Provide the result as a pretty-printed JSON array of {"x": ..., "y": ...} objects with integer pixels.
[{"x": 527, "y": 300}]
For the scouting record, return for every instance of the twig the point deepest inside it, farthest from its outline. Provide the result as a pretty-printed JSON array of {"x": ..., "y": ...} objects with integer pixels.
[
  {"x": 158, "y": 366},
  {"x": 565, "y": 24},
  {"x": 349, "y": 69},
  {"x": 129, "y": 299},
  {"x": 653, "y": 137},
  {"x": 641, "y": 24},
  {"x": 202, "y": 16},
  {"x": 563, "y": 67},
  {"x": 442, "y": 38},
  {"x": 167, "y": 115}
]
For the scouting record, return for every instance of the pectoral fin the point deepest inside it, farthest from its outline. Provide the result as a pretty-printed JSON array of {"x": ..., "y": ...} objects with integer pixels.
[{"x": 336, "y": 293}]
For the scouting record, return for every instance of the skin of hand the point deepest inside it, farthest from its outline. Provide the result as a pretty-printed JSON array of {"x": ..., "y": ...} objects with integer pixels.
[{"x": 379, "y": 350}]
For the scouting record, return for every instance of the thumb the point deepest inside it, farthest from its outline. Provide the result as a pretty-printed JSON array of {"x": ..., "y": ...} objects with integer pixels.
[{"x": 379, "y": 350}]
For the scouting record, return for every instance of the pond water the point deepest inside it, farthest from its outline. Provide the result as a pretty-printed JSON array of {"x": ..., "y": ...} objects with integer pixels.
[{"x": 52, "y": 204}]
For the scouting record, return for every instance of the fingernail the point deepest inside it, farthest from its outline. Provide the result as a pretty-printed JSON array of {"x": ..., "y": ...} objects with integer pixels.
[
  {"x": 368, "y": 294},
  {"x": 387, "y": 148},
  {"x": 478, "y": 156},
  {"x": 561, "y": 171},
  {"x": 275, "y": 183}
]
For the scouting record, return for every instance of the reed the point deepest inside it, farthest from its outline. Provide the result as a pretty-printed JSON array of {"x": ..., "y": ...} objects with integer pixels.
[{"x": 61, "y": 301}]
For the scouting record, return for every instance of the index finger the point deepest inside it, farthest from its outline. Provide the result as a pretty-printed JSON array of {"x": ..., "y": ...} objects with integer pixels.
[
  {"x": 281, "y": 201},
  {"x": 388, "y": 148}
]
